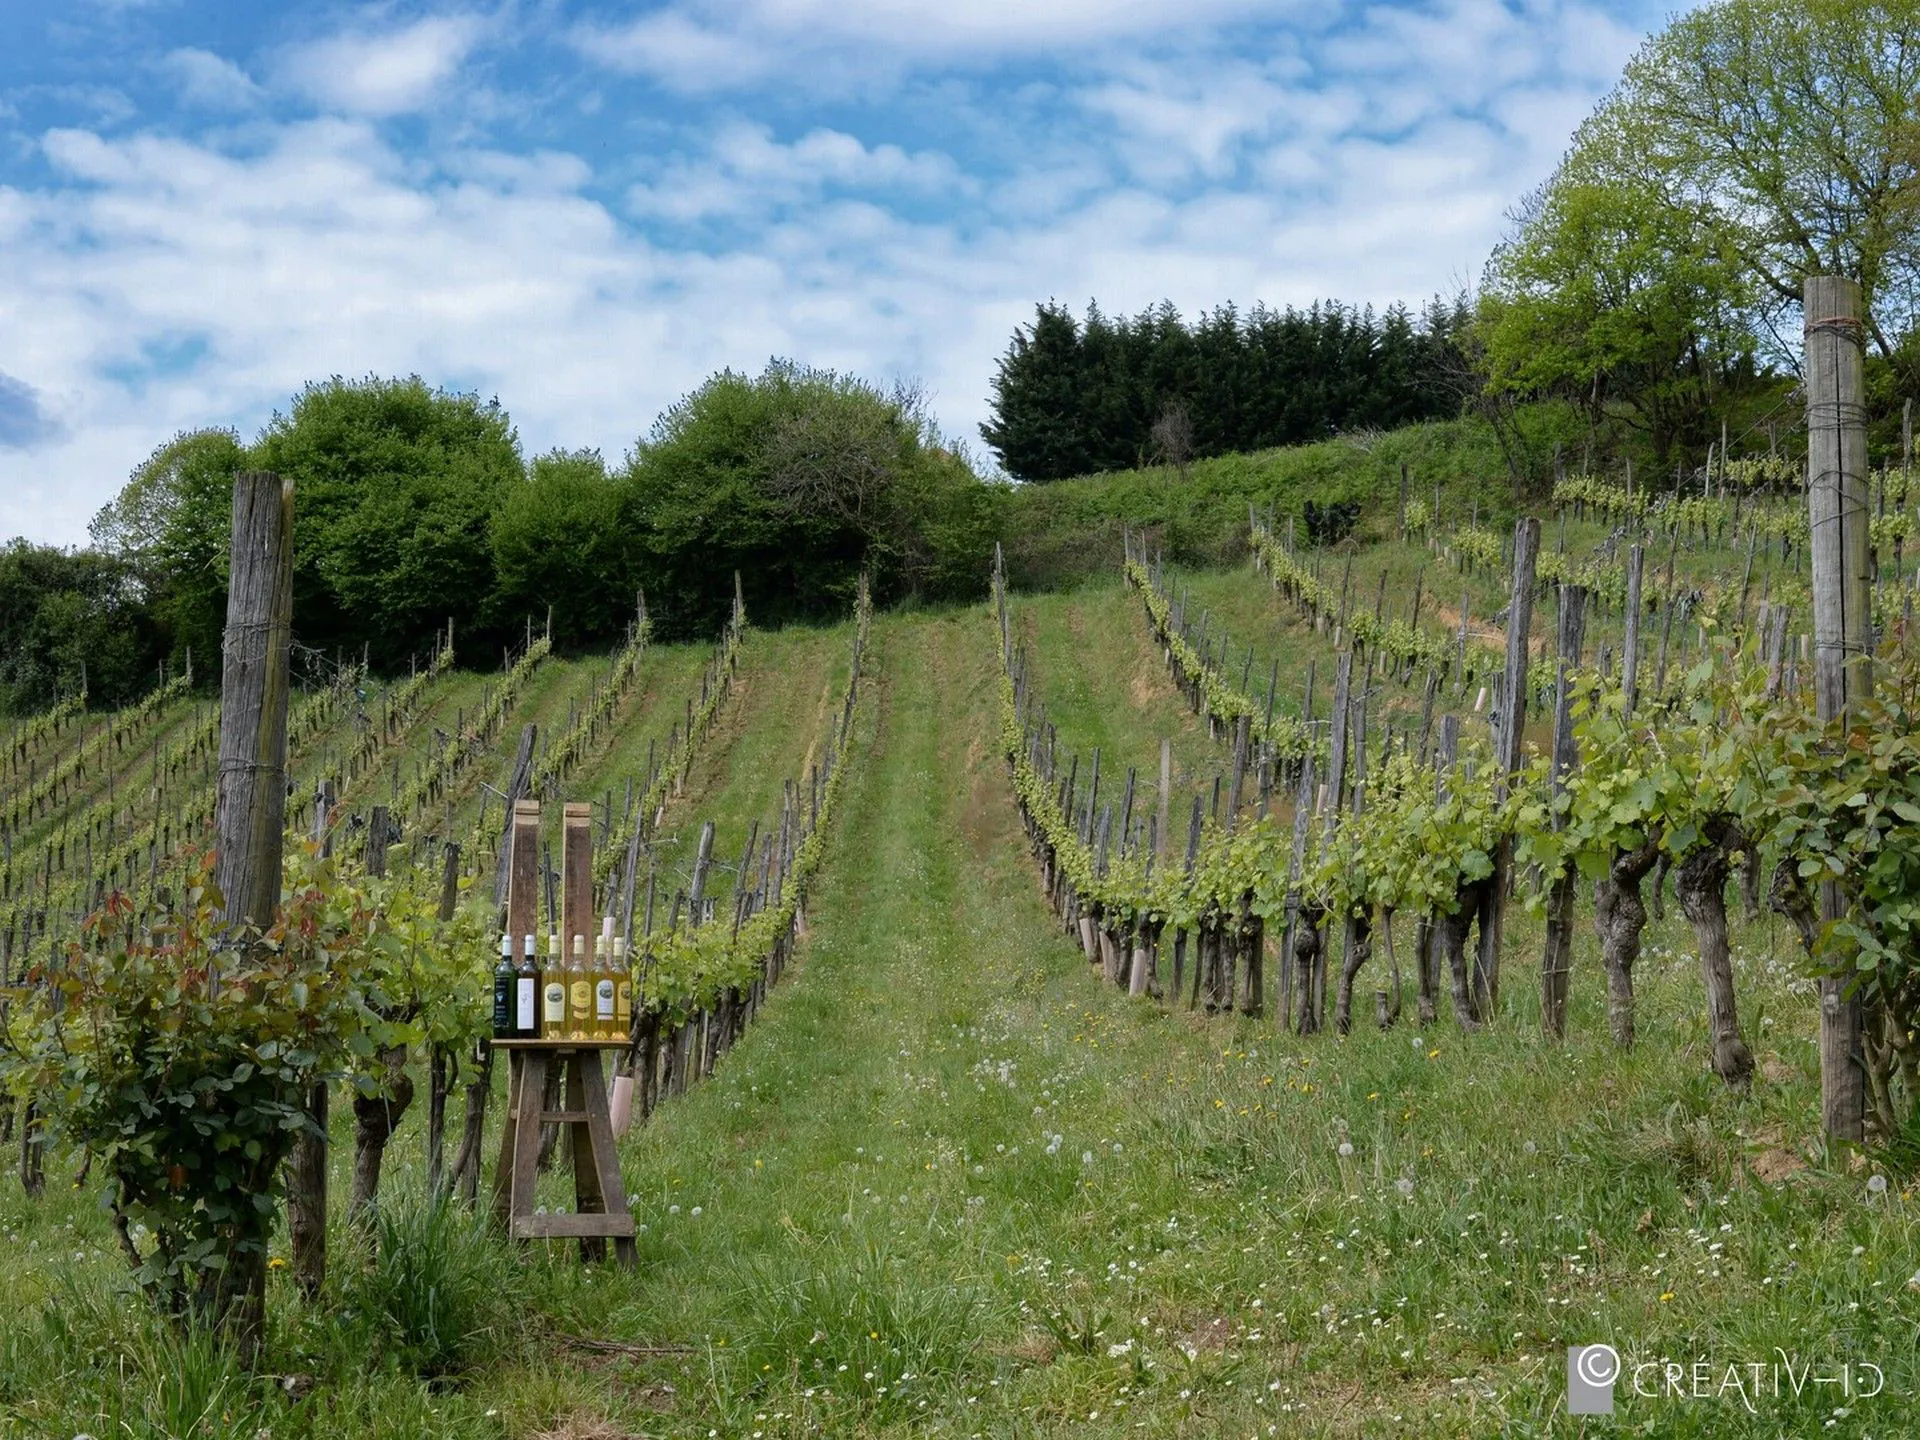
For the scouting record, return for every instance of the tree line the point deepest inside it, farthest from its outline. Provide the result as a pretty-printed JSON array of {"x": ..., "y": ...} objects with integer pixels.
[
  {"x": 417, "y": 506},
  {"x": 1074, "y": 396}
]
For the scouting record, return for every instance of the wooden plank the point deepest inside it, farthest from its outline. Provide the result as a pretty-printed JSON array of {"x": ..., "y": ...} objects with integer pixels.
[
  {"x": 576, "y": 875},
  {"x": 569, "y": 1227}
]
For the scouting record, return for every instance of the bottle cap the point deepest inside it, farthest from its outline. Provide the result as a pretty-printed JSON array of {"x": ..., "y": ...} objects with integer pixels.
[
  {"x": 580, "y": 945},
  {"x": 506, "y": 946}
]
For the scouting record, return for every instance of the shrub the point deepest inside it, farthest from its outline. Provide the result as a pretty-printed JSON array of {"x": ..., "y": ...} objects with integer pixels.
[{"x": 181, "y": 1066}]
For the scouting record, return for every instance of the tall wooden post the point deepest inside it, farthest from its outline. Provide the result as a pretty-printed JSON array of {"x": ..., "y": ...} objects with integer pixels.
[
  {"x": 1630, "y": 661},
  {"x": 1557, "y": 963},
  {"x": 1513, "y": 720},
  {"x": 577, "y": 915},
  {"x": 250, "y": 804},
  {"x": 1842, "y": 594}
]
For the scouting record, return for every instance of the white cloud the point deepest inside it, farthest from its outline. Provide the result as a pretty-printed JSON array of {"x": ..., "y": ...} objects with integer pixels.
[
  {"x": 158, "y": 282},
  {"x": 703, "y": 45},
  {"x": 746, "y": 172},
  {"x": 210, "y": 81},
  {"x": 380, "y": 73}
]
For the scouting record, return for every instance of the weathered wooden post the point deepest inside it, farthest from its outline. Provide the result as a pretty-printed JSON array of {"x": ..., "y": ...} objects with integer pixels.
[
  {"x": 1842, "y": 639},
  {"x": 1557, "y": 961},
  {"x": 1513, "y": 719},
  {"x": 250, "y": 813}
]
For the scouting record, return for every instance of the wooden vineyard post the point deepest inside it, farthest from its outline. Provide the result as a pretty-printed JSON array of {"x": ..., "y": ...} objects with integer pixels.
[
  {"x": 1513, "y": 719},
  {"x": 1842, "y": 593},
  {"x": 1630, "y": 660},
  {"x": 1557, "y": 962},
  {"x": 250, "y": 805}
]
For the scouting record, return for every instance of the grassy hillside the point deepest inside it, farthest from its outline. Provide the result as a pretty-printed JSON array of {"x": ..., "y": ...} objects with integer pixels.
[
  {"x": 951, "y": 1185},
  {"x": 1063, "y": 531}
]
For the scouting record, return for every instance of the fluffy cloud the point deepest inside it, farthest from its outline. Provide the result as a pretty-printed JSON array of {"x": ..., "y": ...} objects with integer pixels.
[
  {"x": 702, "y": 45},
  {"x": 163, "y": 280},
  {"x": 380, "y": 73},
  {"x": 208, "y": 81}
]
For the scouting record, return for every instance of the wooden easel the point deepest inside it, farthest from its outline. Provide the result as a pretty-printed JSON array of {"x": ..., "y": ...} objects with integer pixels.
[{"x": 600, "y": 1210}]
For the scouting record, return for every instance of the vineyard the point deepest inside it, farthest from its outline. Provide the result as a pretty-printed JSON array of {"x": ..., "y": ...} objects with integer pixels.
[{"x": 1197, "y": 999}]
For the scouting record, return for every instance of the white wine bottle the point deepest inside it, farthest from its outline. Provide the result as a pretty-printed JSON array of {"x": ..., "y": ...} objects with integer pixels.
[
  {"x": 603, "y": 990},
  {"x": 553, "y": 994}
]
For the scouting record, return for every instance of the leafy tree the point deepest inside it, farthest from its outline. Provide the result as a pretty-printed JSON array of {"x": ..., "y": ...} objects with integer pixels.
[
  {"x": 396, "y": 485},
  {"x": 1789, "y": 131},
  {"x": 1610, "y": 298},
  {"x": 171, "y": 524},
  {"x": 68, "y": 618},
  {"x": 559, "y": 545},
  {"x": 798, "y": 479}
]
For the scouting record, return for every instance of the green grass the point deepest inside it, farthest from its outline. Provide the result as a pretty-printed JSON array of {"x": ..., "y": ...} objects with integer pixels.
[
  {"x": 878, "y": 1185},
  {"x": 772, "y": 728},
  {"x": 1106, "y": 687}
]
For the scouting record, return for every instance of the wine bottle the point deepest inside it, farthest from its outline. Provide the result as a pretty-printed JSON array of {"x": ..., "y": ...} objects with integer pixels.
[
  {"x": 526, "y": 1009},
  {"x": 553, "y": 994},
  {"x": 603, "y": 990},
  {"x": 503, "y": 982},
  {"x": 579, "y": 993},
  {"x": 622, "y": 990}
]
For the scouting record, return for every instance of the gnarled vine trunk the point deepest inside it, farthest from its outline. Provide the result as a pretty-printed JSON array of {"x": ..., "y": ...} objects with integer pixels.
[
  {"x": 1619, "y": 916},
  {"x": 1700, "y": 880},
  {"x": 375, "y": 1118},
  {"x": 1359, "y": 951},
  {"x": 1306, "y": 953}
]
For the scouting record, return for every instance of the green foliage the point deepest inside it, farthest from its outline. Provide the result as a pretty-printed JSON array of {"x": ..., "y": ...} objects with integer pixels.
[
  {"x": 1059, "y": 533},
  {"x": 559, "y": 547},
  {"x": 71, "y": 621},
  {"x": 1071, "y": 397},
  {"x": 181, "y": 1065},
  {"x": 1749, "y": 144},
  {"x": 440, "y": 1292},
  {"x": 395, "y": 489},
  {"x": 171, "y": 524},
  {"x": 800, "y": 480},
  {"x": 1608, "y": 296}
]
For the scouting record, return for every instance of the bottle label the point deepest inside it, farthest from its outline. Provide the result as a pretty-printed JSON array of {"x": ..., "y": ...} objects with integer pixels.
[
  {"x": 623, "y": 1001},
  {"x": 526, "y": 1012},
  {"x": 582, "y": 997},
  {"x": 603, "y": 1000},
  {"x": 556, "y": 1010}
]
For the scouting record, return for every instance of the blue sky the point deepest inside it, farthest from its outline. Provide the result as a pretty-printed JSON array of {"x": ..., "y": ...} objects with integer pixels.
[{"x": 584, "y": 208}]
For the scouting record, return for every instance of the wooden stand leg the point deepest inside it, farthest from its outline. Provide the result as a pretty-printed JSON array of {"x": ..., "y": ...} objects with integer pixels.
[
  {"x": 503, "y": 1169},
  {"x": 608, "y": 1189},
  {"x": 591, "y": 1200},
  {"x": 526, "y": 1136},
  {"x": 601, "y": 1200}
]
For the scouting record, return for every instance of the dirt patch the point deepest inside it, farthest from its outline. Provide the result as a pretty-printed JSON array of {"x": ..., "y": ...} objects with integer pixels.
[
  {"x": 1775, "y": 1166},
  {"x": 1036, "y": 1347},
  {"x": 1778, "y": 1072},
  {"x": 1209, "y": 1336},
  {"x": 594, "y": 1427},
  {"x": 1480, "y": 630}
]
